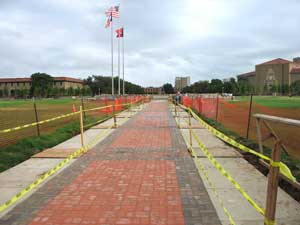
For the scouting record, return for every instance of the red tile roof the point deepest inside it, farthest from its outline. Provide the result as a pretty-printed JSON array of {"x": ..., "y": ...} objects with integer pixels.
[
  {"x": 14, "y": 80},
  {"x": 5, "y": 80},
  {"x": 276, "y": 61},
  {"x": 245, "y": 75},
  {"x": 295, "y": 71}
]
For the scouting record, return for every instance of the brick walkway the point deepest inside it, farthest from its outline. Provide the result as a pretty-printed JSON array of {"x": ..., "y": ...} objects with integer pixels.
[{"x": 140, "y": 174}]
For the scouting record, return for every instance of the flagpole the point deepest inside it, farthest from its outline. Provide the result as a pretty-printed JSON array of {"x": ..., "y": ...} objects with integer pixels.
[
  {"x": 119, "y": 83},
  {"x": 123, "y": 62},
  {"x": 112, "y": 57}
]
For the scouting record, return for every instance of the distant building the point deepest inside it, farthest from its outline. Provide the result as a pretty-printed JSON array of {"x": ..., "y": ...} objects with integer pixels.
[
  {"x": 182, "y": 82},
  {"x": 277, "y": 72},
  {"x": 153, "y": 90},
  {"x": 226, "y": 80},
  {"x": 9, "y": 86}
]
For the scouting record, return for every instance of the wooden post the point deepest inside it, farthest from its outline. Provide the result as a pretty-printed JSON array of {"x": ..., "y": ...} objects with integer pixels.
[
  {"x": 190, "y": 128},
  {"x": 249, "y": 116},
  {"x": 259, "y": 136},
  {"x": 81, "y": 127},
  {"x": 36, "y": 119},
  {"x": 273, "y": 178},
  {"x": 82, "y": 104},
  {"x": 114, "y": 114}
]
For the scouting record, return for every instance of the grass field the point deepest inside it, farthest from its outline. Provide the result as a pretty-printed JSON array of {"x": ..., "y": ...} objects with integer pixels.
[
  {"x": 14, "y": 113},
  {"x": 272, "y": 101}
]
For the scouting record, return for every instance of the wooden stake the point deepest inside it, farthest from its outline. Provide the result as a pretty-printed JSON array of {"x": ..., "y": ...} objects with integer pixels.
[
  {"x": 259, "y": 136},
  {"x": 81, "y": 126},
  {"x": 272, "y": 185},
  {"x": 190, "y": 127}
]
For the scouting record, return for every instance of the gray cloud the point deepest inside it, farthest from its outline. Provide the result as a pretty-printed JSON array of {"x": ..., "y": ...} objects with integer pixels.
[{"x": 163, "y": 39}]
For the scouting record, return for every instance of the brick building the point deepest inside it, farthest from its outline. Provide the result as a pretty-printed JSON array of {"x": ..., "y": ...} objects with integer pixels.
[
  {"x": 277, "y": 72},
  {"x": 9, "y": 86},
  {"x": 153, "y": 90}
]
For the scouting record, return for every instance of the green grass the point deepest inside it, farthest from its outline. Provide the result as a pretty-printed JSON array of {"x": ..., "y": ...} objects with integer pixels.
[
  {"x": 57, "y": 101},
  {"x": 16, "y": 103},
  {"x": 13, "y": 103},
  {"x": 25, "y": 148},
  {"x": 272, "y": 101}
]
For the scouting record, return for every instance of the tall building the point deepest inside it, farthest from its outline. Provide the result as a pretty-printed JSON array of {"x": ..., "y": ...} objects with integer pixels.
[
  {"x": 182, "y": 82},
  {"x": 275, "y": 73}
]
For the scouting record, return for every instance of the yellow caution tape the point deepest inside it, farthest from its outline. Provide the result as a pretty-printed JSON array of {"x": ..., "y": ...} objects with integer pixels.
[
  {"x": 39, "y": 180},
  {"x": 37, "y": 123},
  {"x": 284, "y": 170},
  {"x": 219, "y": 167},
  {"x": 213, "y": 188},
  {"x": 56, "y": 118},
  {"x": 269, "y": 222},
  {"x": 275, "y": 164},
  {"x": 52, "y": 171}
]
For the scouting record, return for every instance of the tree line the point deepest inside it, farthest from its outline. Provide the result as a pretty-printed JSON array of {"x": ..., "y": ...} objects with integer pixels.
[
  {"x": 102, "y": 85},
  {"x": 241, "y": 87}
]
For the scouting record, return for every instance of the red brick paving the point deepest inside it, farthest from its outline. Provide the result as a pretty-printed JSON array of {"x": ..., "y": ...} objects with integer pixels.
[
  {"x": 142, "y": 138},
  {"x": 118, "y": 192},
  {"x": 140, "y": 174}
]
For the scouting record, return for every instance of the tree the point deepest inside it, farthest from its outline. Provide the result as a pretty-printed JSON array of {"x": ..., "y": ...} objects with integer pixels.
[
  {"x": 102, "y": 85},
  {"x": 41, "y": 84},
  {"x": 295, "y": 88},
  {"x": 216, "y": 86},
  {"x": 70, "y": 91},
  {"x": 168, "y": 88},
  {"x": 55, "y": 92},
  {"x": 231, "y": 86}
]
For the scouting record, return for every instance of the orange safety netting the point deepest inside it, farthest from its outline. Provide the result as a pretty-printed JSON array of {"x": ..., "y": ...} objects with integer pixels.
[{"x": 234, "y": 115}]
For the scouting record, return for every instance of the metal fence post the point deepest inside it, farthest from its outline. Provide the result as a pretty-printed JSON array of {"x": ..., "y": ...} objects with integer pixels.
[
  {"x": 36, "y": 119},
  {"x": 249, "y": 116},
  {"x": 273, "y": 178},
  {"x": 81, "y": 127}
]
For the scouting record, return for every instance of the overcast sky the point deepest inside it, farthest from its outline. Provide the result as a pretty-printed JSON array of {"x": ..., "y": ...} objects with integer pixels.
[{"x": 163, "y": 38}]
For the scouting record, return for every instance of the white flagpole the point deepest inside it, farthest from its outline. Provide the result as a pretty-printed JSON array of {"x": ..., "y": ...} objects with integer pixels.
[
  {"x": 119, "y": 82},
  {"x": 123, "y": 62},
  {"x": 112, "y": 57}
]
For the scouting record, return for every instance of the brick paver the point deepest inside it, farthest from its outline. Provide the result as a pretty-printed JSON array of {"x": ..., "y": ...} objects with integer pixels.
[{"x": 140, "y": 174}]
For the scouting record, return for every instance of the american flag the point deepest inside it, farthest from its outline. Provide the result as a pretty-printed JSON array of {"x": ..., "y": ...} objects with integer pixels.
[{"x": 113, "y": 11}]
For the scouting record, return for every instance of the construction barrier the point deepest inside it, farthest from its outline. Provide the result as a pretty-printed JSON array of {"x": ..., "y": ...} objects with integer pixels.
[
  {"x": 55, "y": 169},
  {"x": 284, "y": 170}
]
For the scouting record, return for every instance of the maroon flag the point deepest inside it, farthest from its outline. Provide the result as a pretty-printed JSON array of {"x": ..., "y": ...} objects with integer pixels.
[
  {"x": 120, "y": 32},
  {"x": 113, "y": 11}
]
